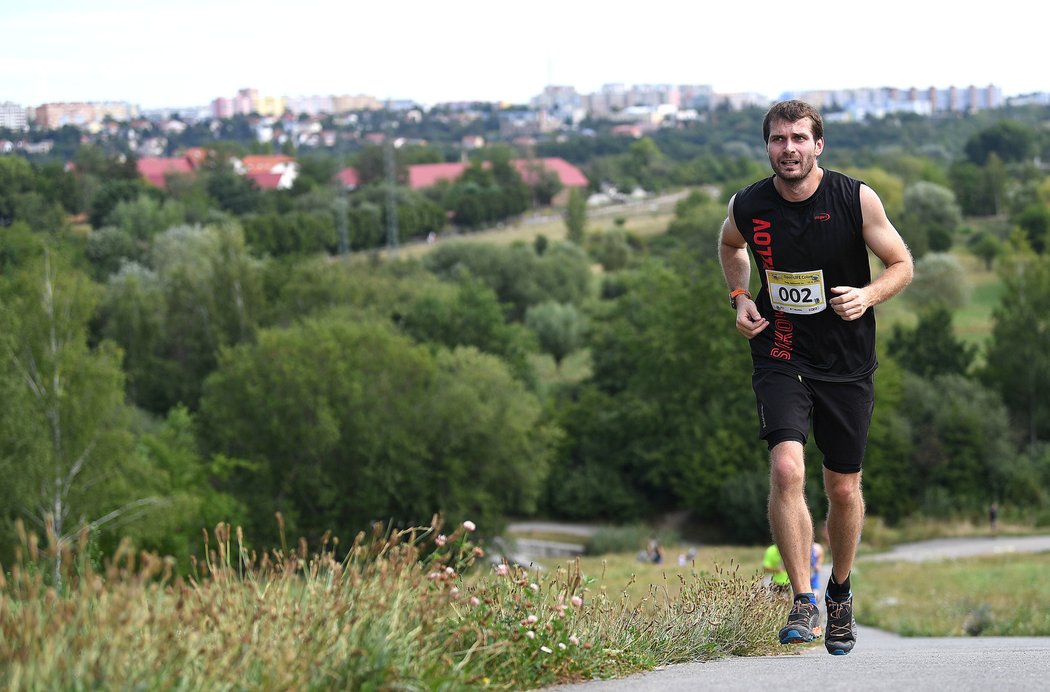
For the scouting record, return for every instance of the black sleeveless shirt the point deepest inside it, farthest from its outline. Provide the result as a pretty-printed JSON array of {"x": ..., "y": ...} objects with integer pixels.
[{"x": 803, "y": 249}]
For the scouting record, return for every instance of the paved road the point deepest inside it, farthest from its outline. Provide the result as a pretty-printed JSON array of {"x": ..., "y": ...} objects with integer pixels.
[{"x": 881, "y": 661}]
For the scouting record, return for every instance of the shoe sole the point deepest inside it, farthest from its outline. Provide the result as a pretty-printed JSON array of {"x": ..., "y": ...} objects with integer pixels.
[
  {"x": 839, "y": 652},
  {"x": 795, "y": 637}
]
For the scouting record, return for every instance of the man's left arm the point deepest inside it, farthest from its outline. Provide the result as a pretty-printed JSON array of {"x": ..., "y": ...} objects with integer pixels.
[{"x": 850, "y": 302}]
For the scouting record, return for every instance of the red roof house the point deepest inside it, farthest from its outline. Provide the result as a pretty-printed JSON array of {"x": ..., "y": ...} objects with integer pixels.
[{"x": 155, "y": 169}]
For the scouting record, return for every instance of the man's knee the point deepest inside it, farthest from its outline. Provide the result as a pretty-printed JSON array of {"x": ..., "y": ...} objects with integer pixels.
[
  {"x": 843, "y": 489},
  {"x": 787, "y": 467}
]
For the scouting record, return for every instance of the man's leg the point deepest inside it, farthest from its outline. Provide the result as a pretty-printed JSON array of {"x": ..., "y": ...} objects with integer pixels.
[
  {"x": 845, "y": 521},
  {"x": 792, "y": 527},
  {"x": 789, "y": 516}
]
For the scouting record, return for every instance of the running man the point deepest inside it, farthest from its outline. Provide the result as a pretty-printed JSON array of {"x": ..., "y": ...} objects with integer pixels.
[{"x": 812, "y": 336}]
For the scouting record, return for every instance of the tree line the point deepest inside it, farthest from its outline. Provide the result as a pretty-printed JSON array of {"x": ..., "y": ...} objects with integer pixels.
[{"x": 162, "y": 371}]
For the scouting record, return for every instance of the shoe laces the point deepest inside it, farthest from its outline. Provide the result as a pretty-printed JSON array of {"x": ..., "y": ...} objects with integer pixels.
[{"x": 801, "y": 611}]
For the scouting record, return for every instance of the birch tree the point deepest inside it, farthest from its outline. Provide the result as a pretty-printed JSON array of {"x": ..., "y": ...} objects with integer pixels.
[{"x": 66, "y": 447}]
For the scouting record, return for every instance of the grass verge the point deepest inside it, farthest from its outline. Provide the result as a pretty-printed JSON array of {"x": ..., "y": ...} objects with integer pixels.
[
  {"x": 1000, "y": 595},
  {"x": 411, "y": 609}
]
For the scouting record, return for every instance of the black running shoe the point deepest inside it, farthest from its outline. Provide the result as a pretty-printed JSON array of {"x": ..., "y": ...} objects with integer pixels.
[
  {"x": 803, "y": 623},
  {"x": 842, "y": 626}
]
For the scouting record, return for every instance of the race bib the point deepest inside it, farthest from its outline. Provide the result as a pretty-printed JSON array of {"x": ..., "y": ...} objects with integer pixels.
[{"x": 799, "y": 293}]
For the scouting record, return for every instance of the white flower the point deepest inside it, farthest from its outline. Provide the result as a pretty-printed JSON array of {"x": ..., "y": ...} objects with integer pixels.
[
  {"x": 561, "y": 645},
  {"x": 546, "y": 649},
  {"x": 441, "y": 540},
  {"x": 530, "y": 634},
  {"x": 531, "y": 620},
  {"x": 469, "y": 525}
]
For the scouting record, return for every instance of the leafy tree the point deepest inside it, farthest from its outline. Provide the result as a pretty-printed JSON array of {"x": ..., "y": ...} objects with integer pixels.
[
  {"x": 517, "y": 274},
  {"x": 612, "y": 249},
  {"x": 110, "y": 194},
  {"x": 939, "y": 280},
  {"x": 987, "y": 247},
  {"x": 144, "y": 217},
  {"x": 576, "y": 217},
  {"x": 931, "y": 347},
  {"x": 1034, "y": 220},
  {"x": 975, "y": 189},
  {"x": 559, "y": 328},
  {"x": 1018, "y": 354},
  {"x": 370, "y": 426},
  {"x": 20, "y": 199},
  {"x": 203, "y": 292},
  {"x": 467, "y": 314},
  {"x": 962, "y": 441},
  {"x": 65, "y": 452},
  {"x": 931, "y": 218},
  {"x": 1010, "y": 140},
  {"x": 662, "y": 425}
]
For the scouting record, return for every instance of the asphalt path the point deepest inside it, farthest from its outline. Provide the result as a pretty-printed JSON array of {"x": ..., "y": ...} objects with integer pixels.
[{"x": 881, "y": 660}]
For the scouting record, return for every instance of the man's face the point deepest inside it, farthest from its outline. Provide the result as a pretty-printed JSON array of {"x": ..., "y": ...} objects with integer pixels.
[{"x": 792, "y": 150}]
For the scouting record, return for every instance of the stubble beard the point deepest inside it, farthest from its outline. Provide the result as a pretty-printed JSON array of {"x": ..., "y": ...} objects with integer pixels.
[{"x": 805, "y": 167}]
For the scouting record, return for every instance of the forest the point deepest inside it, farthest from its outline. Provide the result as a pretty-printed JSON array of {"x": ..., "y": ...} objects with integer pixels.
[{"x": 211, "y": 352}]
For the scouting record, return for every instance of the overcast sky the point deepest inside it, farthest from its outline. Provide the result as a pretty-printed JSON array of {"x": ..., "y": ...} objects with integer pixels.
[{"x": 187, "y": 53}]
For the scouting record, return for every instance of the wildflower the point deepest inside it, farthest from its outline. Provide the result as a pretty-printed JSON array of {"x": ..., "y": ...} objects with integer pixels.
[
  {"x": 502, "y": 569},
  {"x": 546, "y": 649},
  {"x": 441, "y": 540},
  {"x": 450, "y": 571},
  {"x": 478, "y": 551},
  {"x": 574, "y": 640},
  {"x": 474, "y": 601},
  {"x": 469, "y": 525},
  {"x": 434, "y": 575},
  {"x": 531, "y": 620},
  {"x": 454, "y": 592},
  {"x": 560, "y": 609},
  {"x": 576, "y": 601},
  {"x": 561, "y": 645},
  {"x": 535, "y": 587},
  {"x": 530, "y": 634}
]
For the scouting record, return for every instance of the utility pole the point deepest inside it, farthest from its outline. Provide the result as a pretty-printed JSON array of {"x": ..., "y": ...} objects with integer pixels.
[{"x": 391, "y": 190}]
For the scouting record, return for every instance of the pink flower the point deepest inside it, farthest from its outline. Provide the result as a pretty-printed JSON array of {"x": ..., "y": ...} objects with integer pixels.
[
  {"x": 469, "y": 525},
  {"x": 574, "y": 640},
  {"x": 450, "y": 570},
  {"x": 531, "y": 620},
  {"x": 441, "y": 540},
  {"x": 502, "y": 569},
  {"x": 530, "y": 634},
  {"x": 576, "y": 601},
  {"x": 453, "y": 592},
  {"x": 474, "y": 601},
  {"x": 434, "y": 575}
]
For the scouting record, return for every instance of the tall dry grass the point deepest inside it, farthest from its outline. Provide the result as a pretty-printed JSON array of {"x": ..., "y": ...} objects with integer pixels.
[{"x": 406, "y": 609}]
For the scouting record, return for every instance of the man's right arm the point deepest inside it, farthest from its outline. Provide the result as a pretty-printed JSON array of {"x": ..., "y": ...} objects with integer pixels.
[{"x": 736, "y": 267}]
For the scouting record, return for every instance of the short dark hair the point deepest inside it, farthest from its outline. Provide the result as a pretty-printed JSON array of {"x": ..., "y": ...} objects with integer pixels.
[{"x": 792, "y": 111}]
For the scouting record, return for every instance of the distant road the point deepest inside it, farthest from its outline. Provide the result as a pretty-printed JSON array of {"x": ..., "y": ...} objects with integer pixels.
[{"x": 882, "y": 661}]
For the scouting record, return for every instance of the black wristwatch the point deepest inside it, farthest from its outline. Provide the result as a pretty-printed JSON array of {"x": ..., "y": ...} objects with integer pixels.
[{"x": 737, "y": 292}]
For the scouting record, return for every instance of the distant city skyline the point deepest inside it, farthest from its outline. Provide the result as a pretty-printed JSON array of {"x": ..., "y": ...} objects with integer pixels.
[{"x": 465, "y": 50}]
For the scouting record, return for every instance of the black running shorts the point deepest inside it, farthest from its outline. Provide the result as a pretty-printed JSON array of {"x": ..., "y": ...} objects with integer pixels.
[{"x": 840, "y": 413}]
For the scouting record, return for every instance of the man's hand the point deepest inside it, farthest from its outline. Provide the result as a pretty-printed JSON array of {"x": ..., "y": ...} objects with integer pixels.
[
  {"x": 850, "y": 303},
  {"x": 748, "y": 321}
]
